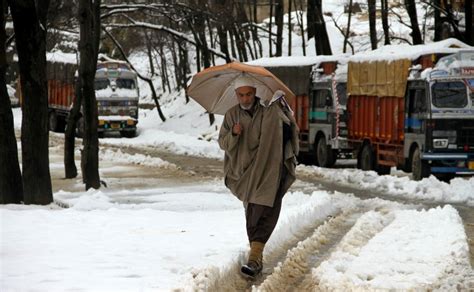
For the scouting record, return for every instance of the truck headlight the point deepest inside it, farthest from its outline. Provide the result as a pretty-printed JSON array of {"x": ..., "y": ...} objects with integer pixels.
[{"x": 440, "y": 143}]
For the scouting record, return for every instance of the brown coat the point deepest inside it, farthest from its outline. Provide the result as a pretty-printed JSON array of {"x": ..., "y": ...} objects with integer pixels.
[{"x": 253, "y": 159}]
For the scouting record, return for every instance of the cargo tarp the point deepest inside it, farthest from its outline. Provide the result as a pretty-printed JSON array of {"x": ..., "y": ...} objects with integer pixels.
[{"x": 378, "y": 78}]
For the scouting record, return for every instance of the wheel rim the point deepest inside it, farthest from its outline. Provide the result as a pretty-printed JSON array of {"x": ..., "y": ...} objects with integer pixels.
[{"x": 322, "y": 155}]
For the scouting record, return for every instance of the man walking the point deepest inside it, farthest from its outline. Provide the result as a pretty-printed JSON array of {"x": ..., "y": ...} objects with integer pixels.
[{"x": 260, "y": 140}]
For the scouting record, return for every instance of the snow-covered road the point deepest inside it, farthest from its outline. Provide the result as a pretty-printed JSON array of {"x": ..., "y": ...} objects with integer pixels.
[{"x": 165, "y": 224}]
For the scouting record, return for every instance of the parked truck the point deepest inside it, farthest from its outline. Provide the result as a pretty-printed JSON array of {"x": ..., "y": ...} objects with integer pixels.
[
  {"x": 116, "y": 93},
  {"x": 319, "y": 83},
  {"x": 413, "y": 114}
]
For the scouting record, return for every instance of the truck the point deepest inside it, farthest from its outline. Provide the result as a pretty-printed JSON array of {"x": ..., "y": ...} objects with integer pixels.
[
  {"x": 319, "y": 83},
  {"x": 413, "y": 113},
  {"x": 117, "y": 96}
]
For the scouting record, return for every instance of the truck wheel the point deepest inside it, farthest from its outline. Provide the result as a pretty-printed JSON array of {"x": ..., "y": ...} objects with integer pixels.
[
  {"x": 383, "y": 169},
  {"x": 128, "y": 134},
  {"x": 80, "y": 128},
  {"x": 324, "y": 154},
  {"x": 366, "y": 158},
  {"x": 53, "y": 121},
  {"x": 420, "y": 168}
]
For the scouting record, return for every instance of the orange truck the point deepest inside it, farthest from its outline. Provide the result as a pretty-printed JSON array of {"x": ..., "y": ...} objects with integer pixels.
[
  {"x": 116, "y": 93},
  {"x": 416, "y": 114}
]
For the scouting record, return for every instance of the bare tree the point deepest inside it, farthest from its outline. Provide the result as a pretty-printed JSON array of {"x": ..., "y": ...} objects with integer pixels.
[
  {"x": 30, "y": 37},
  {"x": 323, "y": 46},
  {"x": 385, "y": 26},
  {"x": 89, "y": 20},
  {"x": 415, "y": 29},
  {"x": 348, "y": 28},
  {"x": 290, "y": 30},
  {"x": 372, "y": 24},
  {"x": 11, "y": 188},
  {"x": 469, "y": 34},
  {"x": 279, "y": 10}
]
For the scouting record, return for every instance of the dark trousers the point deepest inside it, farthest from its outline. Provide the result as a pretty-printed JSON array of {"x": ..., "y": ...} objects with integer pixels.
[{"x": 261, "y": 220}]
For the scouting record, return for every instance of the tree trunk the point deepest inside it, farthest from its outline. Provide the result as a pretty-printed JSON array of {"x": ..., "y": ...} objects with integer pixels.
[
  {"x": 323, "y": 46},
  {"x": 270, "y": 45},
  {"x": 222, "y": 33},
  {"x": 279, "y": 23},
  {"x": 372, "y": 24},
  {"x": 290, "y": 30},
  {"x": 415, "y": 29},
  {"x": 385, "y": 25},
  {"x": 300, "y": 23},
  {"x": 89, "y": 20},
  {"x": 30, "y": 38},
  {"x": 348, "y": 30},
  {"x": 437, "y": 20},
  {"x": 11, "y": 187},
  {"x": 70, "y": 168},
  {"x": 469, "y": 34},
  {"x": 311, "y": 18}
]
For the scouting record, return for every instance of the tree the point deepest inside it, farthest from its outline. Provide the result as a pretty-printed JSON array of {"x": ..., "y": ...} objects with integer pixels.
[
  {"x": 372, "y": 24},
  {"x": 318, "y": 27},
  {"x": 469, "y": 34},
  {"x": 385, "y": 26},
  {"x": 415, "y": 29},
  {"x": 89, "y": 21},
  {"x": 279, "y": 23},
  {"x": 30, "y": 39},
  {"x": 11, "y": 188}
]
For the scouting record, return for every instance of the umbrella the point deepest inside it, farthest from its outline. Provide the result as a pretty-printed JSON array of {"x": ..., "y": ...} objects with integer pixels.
[{"x": 213, "y": 88}]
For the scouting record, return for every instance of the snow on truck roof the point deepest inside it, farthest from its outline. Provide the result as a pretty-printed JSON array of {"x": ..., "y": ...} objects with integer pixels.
[
  {"x": 292, "y": 61},
  {"x": 411, "y": 52}
]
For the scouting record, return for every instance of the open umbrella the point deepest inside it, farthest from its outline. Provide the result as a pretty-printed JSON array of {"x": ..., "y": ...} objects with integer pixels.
[{"x": 213, "y": 88}]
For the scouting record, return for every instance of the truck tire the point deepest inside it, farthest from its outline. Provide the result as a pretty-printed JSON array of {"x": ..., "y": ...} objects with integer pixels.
[
  {"x": 53, "y": 122},
  {"x": 366, "y": 159},
  {"x": 420, "y": 168},
  {"x": 324, "y": 154},
  {"x": 383, "y": 169},
  {"x": 128, "y": 134},
  {"x": 80, "y": 128}
]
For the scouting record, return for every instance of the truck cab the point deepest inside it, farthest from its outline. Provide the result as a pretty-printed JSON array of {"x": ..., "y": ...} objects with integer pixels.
[
  {"x": 117, "y": 95},
  {"x": 328, "y": 113},
  {"x": 439, "y": 122}
]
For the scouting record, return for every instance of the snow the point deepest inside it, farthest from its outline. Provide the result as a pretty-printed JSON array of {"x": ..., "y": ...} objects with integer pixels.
[
  {"x": 62, "y": 57},
  {"x": 296, "y": 60},
  {"x": 182, "y": 235},
  {"x": 190, "y": 235},
  {"x": 412, "y": 252},
  {"x": 405, "y": 51},
  {"x": 459, "y": 190}
]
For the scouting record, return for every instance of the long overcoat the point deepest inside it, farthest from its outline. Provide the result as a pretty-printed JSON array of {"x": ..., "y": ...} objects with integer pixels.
[{"x": 254, "y": 159}]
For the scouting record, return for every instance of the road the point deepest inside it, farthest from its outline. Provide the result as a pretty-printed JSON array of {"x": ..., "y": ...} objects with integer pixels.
[{"x": 192, "y": 170}]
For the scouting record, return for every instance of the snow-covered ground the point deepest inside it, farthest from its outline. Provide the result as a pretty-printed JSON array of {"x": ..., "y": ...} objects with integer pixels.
[
  {"x": 191, "y": 236},
  {"x": 182, "y": 237}
]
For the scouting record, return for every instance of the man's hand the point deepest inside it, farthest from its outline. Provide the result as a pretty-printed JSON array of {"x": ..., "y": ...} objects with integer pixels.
[{"x": 237, "y": 129}]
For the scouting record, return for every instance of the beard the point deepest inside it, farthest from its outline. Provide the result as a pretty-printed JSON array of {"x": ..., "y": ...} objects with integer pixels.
[{"x": 246, "y": 107}]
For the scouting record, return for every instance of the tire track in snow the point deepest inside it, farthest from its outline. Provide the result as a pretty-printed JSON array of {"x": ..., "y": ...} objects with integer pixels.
[{"x": 230, "y": 279}]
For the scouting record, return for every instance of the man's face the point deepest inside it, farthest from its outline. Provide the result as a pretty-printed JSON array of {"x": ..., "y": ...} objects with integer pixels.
[{"x": 246, "y": 96}]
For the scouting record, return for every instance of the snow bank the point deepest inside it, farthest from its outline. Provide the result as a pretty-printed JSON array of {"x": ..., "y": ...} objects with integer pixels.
[
  {"x": 137, "y": 159},
  {"x": 459, "y": 190},
  {"x": 415, "y": 251}
]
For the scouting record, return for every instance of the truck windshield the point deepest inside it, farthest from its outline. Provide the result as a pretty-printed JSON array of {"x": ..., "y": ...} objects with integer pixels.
[
  {"x": 341, "y": 93},
  {"x": 125, "y": 83},
  {"x": 101, "y": 84},
  {"x": 449, "y": 94}
]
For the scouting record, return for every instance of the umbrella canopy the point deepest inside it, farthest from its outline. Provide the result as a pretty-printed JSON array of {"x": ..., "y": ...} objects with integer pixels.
[{"x": 213, "y": 88}]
